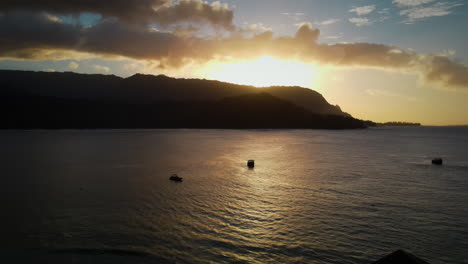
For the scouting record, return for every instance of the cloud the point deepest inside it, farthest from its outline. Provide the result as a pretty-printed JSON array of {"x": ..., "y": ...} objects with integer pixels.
[
  {"x": 410, "y": 3},
  {"x": 385, "y": 11},
  {"x": 256, "y": 28},
  {"x": 22, "y": 31},
  {"x": 100, "y": 68},
  {"x": 363, "y": 10},
  {"x": 34, "y": 36},
  {"x": 306, "y": 34},
  {"x": 360, "y": 21},
  {"x": 114, "y": 38},
  {"x": 216, "y": 13},
  {"x": 53, "y": 18},
  {"x": 447, "y": 53},
  {"x": 441, "y": 69},
  {"x": 384, "y": 14},
  {"x": 132, "y": 11},
  {"x": 162, "y": 12},
  {"x": 73, "y": 65},
  {"x": 328, "y": 22},
  {"x": 334, "y": 36},
  {"x": 295, "y": 16},
  {"x": 435, "y": 10}
]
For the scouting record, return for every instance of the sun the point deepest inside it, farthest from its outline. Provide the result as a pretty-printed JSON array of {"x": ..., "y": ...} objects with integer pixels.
[{"x": 264, "y": 71}]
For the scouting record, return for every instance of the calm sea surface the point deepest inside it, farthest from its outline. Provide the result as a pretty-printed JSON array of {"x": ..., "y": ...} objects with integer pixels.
[{"x": 315, "y": 196}]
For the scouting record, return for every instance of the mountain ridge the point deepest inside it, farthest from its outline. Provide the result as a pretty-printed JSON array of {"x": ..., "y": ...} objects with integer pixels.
[
  {"x": 71, "y": 100},
  {"x": 161, "y": 88}
]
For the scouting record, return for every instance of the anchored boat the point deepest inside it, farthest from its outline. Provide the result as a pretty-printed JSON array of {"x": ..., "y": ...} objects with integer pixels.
[
  {"x": 176, "y": 178},
  {"x": 437, "y": 161}
]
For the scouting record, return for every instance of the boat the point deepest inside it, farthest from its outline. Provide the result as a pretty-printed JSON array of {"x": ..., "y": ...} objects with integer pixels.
[
  {"x": 400, "y": 257},
  {"x": 176, "y": 178},
  {"x": 437, "y": 161}
]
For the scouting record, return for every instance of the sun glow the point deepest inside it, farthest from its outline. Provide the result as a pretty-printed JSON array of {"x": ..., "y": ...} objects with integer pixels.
[{"x": 264, "y": 71}]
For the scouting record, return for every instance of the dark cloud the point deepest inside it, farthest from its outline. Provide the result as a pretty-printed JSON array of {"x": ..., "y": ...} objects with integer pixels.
[
  {"x": 23, "y": 31},
  {"x": 115, "y": 38},
  {"x": 369, "y": 54},
  {"x": 215, "y": 14},
  {"x": 443, "y": 70},
  {"x": 306, "y": 34},
  {"x": 23, "y": 34},
  {"x": 125, "y": 9},
  {"x": 33, "y": 36},
  {"x": 163, "y": 12}
]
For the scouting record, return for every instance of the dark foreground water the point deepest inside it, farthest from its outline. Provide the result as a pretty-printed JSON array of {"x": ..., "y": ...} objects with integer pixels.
[{"x": 314, "y": 196}]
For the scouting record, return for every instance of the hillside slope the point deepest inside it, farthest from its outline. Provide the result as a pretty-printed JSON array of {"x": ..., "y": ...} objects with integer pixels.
[{"x": 141, "y": 88}]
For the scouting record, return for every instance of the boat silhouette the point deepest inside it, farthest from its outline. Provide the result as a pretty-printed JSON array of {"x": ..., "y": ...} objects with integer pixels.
[{"x": 176, "y": 178}]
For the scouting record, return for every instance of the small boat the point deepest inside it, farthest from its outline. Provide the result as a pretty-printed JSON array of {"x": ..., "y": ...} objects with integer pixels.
[
  {"x": 176, "y": 178},
  {"x": 437, "y": 161},
  {"x": 400, "y": 256},
  {"x": 251, "y": 164}
]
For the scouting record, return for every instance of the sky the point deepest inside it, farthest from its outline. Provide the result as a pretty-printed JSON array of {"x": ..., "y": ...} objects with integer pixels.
[{"x": 380, "y": 60}]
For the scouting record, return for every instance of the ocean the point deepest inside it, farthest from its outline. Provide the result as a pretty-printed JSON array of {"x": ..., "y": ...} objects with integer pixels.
[{"x": 314, "y": 196}]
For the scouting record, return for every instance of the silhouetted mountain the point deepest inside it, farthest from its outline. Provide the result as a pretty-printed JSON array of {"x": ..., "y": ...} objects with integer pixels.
[
  {"x": 306, "y": 98},
  {"x": 69, "y": 100},
  {"x": 60, "y": 85},
  {"x": 149, "y": 88}
]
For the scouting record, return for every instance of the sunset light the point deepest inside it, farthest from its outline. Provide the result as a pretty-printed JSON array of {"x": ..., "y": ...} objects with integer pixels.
[{"x": 264, "y": 71}]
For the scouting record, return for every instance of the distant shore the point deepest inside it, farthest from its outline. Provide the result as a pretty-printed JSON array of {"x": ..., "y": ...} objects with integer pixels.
[{"x": 391, "y": 124}]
